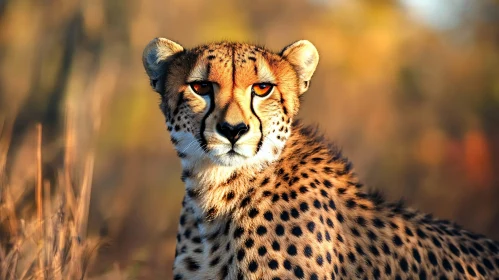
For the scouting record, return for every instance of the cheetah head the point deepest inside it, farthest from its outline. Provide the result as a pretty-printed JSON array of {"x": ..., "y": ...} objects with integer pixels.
[{"x": 231, "y": 103}]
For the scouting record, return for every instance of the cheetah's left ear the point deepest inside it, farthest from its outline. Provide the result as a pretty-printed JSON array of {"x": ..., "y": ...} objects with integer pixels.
[{"x": 304, "y": 57}]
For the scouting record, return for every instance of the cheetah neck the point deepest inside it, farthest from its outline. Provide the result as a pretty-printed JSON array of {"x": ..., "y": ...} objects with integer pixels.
[{"x": 214, "y": 190}]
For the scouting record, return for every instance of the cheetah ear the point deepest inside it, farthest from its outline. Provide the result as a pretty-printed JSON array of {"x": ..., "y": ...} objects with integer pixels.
[
  {"x": 154, "y": 57},
  {"x": 304, "y": 57}
]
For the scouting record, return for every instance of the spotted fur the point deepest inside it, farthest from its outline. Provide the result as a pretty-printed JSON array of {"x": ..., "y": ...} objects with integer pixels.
[{"x": 282, "y": 203}]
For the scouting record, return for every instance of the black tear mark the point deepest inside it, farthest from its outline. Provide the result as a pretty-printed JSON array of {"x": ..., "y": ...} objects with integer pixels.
[
  {"x": 260, "y": 125},
  {"x": 201, "y": 139}
]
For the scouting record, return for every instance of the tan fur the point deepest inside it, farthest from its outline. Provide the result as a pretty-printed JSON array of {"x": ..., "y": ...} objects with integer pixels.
[{"x": 284, "y": 204}]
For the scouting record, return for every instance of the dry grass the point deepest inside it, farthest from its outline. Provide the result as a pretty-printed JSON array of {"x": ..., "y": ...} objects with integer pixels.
[{"x": 51, "y": 243}]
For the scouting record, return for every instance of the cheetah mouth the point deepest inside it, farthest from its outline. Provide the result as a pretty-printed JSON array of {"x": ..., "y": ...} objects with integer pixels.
[{"x": 228, "y": 156}]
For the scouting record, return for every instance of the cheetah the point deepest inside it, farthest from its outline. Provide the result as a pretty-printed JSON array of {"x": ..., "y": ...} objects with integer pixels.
[{"x": 269, "y": 198}]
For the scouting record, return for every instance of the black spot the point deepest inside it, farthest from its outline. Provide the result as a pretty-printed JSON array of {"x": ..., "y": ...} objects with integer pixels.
[
  {"x": 261, "y": 230},
  {"x": 319, "y": 260},
  {"x": 253, "y": 212},
  {"x": 432, "y": 258},
  {"x": 307, "y": 251},
  {"x": 186, "y": 174},
  {"x": 488, "y": 264},
  {"x": 304, "y": 207},
  {"x": 284, "y": 216},
  {"x": 191, "y": 264},
  {"x": 325, "y": 194},
  {"x": 397, "y": 241},
  {"x": 294, "y": 213},
  {"x": 276, "y": 246},
  {"x": 329, "y": 223},
  {"x": 378, "y": 223},
  {"x": 481, "y": 270},
  {"x": 268, "y": 216},
  {"x": 311, "y": 226},
  {"x": 265, "y": 181},
  {"x": 327, "y": 183},
  {"x": 262, "y": 251},
  {"x": 374, "y": 250},
  {"x": 245, "y": 201},
  {"x": 388, "y": 269},
  {"x": 447, "y": 265},
  {"x": 215, "y": 261},
  {"x": 229, "y": 196},
  {"x": 436, "y": 242},
  {"x": 464, "y": 249},
  {"x": 493, "y": 248},
  {"x": 273, "y": 264},
  {"x": 471, "y": 271},
  {"x": 372, "y": 236},
  {"x": 296, "y": 231},
  {"x": 422, "y": 274},
  {"x": 240, "y": 254},
  {"x": 298, "y": 272},
  {"x": 416, "y": 255},
  {"x": 332, "y": 205},
  {"x": 319, "y": 237},
  {"x": 339, "y": 217},
  {"x": 196, "y": 239},
  {"x": 291, "y": 250},
  {"x": 253, "y": 266},
  {"x": 279, "y": 230},
  {"x": 385, "y": 249},
  {"x": 421, "y": 234},
  {"x": 403, "y": 264},
  {"x": 351, "y": 257},
  {"x": 287, "y": 264},
  {"x": 351, "y": 203},
  {"x": 317, "y": 204},
  {"x": 361, "y": 221},
  {"x": 359, "y": 250},
  {"x": 238, "y": 232},
  {"x": 249, "y": 243},
  {"x": 459, "y": 267}
]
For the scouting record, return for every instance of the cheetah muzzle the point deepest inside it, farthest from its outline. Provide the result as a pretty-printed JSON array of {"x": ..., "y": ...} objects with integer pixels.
[{"x": 268, "y": 198}]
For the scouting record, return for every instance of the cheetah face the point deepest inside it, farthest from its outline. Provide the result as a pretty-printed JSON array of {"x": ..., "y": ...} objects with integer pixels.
[{"x": 229, "y": 102}]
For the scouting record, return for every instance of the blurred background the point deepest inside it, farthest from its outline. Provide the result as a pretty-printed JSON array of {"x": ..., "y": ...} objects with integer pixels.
[{"x": 409, "y": 89}]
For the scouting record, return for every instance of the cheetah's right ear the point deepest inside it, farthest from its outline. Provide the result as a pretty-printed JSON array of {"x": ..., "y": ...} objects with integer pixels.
[
  {"x": 154, "y": 57},
  {"x": 304, "y": 57}
]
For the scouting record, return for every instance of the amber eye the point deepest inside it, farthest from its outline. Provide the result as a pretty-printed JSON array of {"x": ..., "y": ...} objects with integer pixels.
[
  {"x": 262, "y": 89},
  {"x": 201, "y": 88}
]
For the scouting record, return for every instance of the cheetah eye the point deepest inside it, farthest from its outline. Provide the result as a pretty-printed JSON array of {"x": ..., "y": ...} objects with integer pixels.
[
  {"x": 201, "y": 88},
  {"x": 262, "y": 89}
]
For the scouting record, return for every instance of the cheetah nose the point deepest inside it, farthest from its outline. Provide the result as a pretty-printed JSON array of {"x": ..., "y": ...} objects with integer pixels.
[{"x": 232, "y": 132}]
